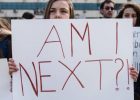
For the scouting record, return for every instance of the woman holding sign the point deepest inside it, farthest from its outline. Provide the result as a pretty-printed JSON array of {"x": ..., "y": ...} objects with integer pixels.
[
  {"x": 56, "y": 9},
  {"x": 59, "y": 9}
]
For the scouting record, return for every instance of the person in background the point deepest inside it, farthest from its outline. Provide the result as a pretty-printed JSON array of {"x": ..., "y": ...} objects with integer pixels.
[
  {"x": 132, "y": 11},
  {"x": 5, "y": 39},
  {"x": 107, "y": 9},
  {"x": 28, "y": 15}
]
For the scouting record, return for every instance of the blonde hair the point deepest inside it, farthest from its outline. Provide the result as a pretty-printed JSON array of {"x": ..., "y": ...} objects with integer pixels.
[{"x": 5, "y": 24}]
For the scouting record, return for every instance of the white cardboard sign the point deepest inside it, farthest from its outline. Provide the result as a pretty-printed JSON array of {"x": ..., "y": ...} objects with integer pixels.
[
  {"x": 82, "y": 59},
  {"x": 136, "y": 48},
  {"x": 5, "y": 80}
]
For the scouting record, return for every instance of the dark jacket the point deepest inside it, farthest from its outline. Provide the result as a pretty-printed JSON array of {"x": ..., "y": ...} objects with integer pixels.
[
  {"x": 137, "y": 89},
  {"x": 5, "y": 46}
]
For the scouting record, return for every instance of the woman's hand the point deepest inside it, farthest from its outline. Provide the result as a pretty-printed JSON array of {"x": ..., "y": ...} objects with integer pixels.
[
  {"x": 133, "y": 73},
  {"x": 12, "y": 66}
]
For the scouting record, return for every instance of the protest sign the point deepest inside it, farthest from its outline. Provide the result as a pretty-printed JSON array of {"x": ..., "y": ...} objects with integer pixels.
[
  {"x": 5, "y": 81},
  {"x": 82, "y": 59},
  {"x": 136, "y": 47}
]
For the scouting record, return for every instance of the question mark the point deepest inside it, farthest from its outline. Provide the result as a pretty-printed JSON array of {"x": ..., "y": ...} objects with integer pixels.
[{"x": 117, "y": 75}]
